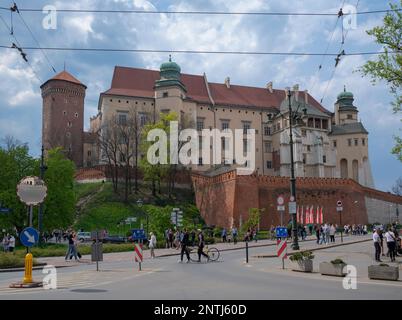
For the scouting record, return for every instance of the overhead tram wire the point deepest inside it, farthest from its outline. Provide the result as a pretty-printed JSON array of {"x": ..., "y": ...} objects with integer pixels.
[
  {"x": 19, "y": 44},
  {"x": 201, "y": 12},
  {"x": 200, "y": 51},
  {"x": 341, "y": 52},
  {"x": 37, "y": 42},
  {"x": 340, "y": 13}
]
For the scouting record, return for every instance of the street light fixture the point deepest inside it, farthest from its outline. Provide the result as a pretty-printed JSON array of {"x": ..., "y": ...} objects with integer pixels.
[
  {"x": 139, "y": 204},
  {"x": 293, "y": 116}
]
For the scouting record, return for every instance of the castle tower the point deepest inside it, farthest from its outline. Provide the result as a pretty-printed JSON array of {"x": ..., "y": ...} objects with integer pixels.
[
  {"x": 63, "y": 115},
  {"x": 349, "y": 139}
]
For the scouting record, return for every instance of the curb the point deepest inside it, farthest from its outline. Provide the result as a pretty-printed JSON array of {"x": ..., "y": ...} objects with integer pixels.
[
  {"x": 314, "y": 249},
  {"x": 37, "y": 266}
]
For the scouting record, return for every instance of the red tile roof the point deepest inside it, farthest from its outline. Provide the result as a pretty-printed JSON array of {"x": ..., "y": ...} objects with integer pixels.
[
  {"x": 65, "y": 76},
  {"x": 140, "y": 83}
]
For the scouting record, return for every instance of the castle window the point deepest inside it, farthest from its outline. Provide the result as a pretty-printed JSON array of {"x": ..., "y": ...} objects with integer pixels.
[
  {"x": 76, "y": 115},
  {"x": 304, "y": 133},
  {"x": 310, "y": 122},
  {"x": 350, "y": 116},
  {"x": 89, "y": 153},
  {"x": 200, "y": 161},
  {"x": 325, "y": 124},
  {"x": 308, "y": 148},
  {"x": 136, "y": 102},
  {"x": 111, "y": 100},
  {"x": 246, "y": 127},
  {"x": 225, "y": 125},
  {"x": 324, "y": 159},
  {"x": 267, "y": 131},
  {"x": 143, "y": 119},
  {"x": 349, "y": 142},
  {"x": 269, "y": 164},
  {"x": 304, "y": 158},
  {"x": 200, "y": 124},
  {"x": 268, "y": 146},
  {"x": 363, "y": 142},
  {"x": 144, "y": 103},
  {"x": 356, "y": 142},
  {"x": 334, "y": 143},
  {"x": 119, "y": 101},
  {"x": 317, "y": 123},
  {"x": 122, "y": 119}
]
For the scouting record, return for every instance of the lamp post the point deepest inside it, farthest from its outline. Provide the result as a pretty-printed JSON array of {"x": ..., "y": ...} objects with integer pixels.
[
  {"x": 139, "y": 204},
  {"x": 295, "y": 243},
  {"x": 42, "y": 169}
]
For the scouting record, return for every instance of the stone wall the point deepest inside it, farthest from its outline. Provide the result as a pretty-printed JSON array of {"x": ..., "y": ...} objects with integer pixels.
[{"x": 224, "y": 200}]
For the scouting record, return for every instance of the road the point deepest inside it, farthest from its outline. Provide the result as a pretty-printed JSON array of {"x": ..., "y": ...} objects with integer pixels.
[{"x": 230, "y": 278}]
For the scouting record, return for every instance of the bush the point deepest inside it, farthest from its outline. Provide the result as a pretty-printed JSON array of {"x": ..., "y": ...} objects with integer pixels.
[
  {"x": 9, "y": 260},
  {"x": 383, "y": 265},
  {"x": 337, "y": 261},
  {"x": 302, "y": 256},
  {"x": 209, "y": 240}
]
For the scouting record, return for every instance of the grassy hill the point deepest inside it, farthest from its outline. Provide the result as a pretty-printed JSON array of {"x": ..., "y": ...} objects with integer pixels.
[{"x": 98, "y": 207}]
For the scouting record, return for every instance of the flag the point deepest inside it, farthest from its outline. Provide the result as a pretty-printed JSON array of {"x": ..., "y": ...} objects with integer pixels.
[
  {"x": 301, "y": 215},
  {"x": 297, "y": 215},
  {"x": 317, "y": 220},
  {"x": 312, "y": 214},
  {"x": 322, "y": 216}
]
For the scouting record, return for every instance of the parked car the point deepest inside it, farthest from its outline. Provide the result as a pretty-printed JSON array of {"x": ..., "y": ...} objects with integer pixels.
[
  {"x": 114, "y": 239},
  {"x": 84, "y": 236}
]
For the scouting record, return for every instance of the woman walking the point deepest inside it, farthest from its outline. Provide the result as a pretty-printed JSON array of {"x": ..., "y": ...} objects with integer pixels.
[{"x": 152, "y": 244}]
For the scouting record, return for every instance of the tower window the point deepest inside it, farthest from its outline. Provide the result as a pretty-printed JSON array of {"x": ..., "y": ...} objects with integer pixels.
[
  {"x": 165, "y": 94},
  {"x": 122, "y": 119},
  {"x": 350, "y": 116},
  {"x": 246, "y": 127},
  {"x": 349, "y": 142},
  {"x": 200, "y": 124},
  {"x": 225, "y": 125},
  {"x": 324, "y": 159},
  {"x": 334, "y": 143},
  {"x": 356, "y": 142},
  {"x": 363, "y": 142},
  {"x": 268, "y": 146},
  {"x": 269, "y": 164},
  {"x": 267, "y": 131},
  {"x": 308, "y": 148}
]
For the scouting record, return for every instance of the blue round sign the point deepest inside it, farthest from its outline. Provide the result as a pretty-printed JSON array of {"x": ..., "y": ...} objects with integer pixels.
[{"x": 29, "y": 237}]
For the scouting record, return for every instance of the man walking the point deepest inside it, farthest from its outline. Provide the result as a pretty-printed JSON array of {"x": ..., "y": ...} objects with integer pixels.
[
  {"x": 332, "y": 231},
  {"x": 11, "y": 243},
  {"x": 224, "y": 235},
  {"x": 201, "y": 244},
  {"x": 390, "y": 236},
  {"x": 377, "y": 245},
  {"x": 234, "y": 235},
  {"x": 185, "y": 242}
]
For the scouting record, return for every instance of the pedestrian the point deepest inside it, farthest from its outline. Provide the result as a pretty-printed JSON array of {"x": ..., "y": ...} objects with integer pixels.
[
  {"x": 234, "y": 235},
  {"x": 5, "y": 243},
  {"x": 71, "y": 247},
  {"x": 11, "y": 243},
  {"x": 390, "y": 237},
  {"x": 76, "y": 243},
  {"x": 377, "y": 245},
  {"x": 224, "y": 235},
  {"x": 201, "y": 244},
  {"x": 192, "y": 236},
  {"x": 255, "y": 234},
  {"x": 152, "y": 244},
  {"x": 166, "y": 238},
  {"x": 170, "y": 236},
  {"x": 177, "y": 240},
  {"x": 332, "y": 231},
  {"x": 184, "y": 246}
]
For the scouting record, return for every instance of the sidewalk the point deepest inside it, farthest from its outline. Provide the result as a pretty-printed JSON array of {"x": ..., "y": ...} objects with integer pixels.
[{"x": 309, "y": 244}]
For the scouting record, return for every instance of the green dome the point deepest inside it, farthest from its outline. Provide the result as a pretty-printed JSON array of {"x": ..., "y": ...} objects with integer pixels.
[
  {"x": 170, "y": 66},
  {"x": 345, "y": 95}
]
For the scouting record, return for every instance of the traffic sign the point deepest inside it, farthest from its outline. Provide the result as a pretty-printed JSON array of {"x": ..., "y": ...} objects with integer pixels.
[
  {"x": 281, "y": 232},
  {"x": 281, "y": 208},
  {"x": 280, "y": 200},
  {"x": 292, "y": 198},
  {"x": 139, "y": 234},
  {"x": 31, "y": 191},
  {"x": 292, "y": 208},
  {"x": 29, "y": 237},
  {"x": 281, "y": 248},
  {"x": 339, "y": 209},
  {"x": 339, "y": 203},
  {"x": 5, "y": 210}
]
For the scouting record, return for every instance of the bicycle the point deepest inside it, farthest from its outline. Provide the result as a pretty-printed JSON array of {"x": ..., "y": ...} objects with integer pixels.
[{"x": 212, "y": 253}]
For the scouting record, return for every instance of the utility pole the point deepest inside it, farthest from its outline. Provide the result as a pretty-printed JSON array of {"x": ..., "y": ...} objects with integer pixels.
[{"x": 295, "y": 243}]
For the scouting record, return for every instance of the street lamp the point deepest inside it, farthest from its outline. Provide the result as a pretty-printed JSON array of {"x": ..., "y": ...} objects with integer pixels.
[
  {"x": 42, "y": 169},
  {"x": 139, "y": 204},
  {"x": 292, "y": 116}
]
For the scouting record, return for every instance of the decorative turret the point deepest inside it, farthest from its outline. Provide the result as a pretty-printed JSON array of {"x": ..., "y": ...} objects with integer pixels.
[
  {"x": 170, "y": 75},
  {"x": 345, "y": 100}
]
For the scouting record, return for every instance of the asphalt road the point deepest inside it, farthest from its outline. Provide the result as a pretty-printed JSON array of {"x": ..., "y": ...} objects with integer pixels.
[{"x": 230, "y": 278}]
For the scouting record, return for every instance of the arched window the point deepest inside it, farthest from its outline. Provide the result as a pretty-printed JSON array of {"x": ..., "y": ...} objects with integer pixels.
[
  {"x": 355, "y": 170},
  {"x": 344, "y": 169}
]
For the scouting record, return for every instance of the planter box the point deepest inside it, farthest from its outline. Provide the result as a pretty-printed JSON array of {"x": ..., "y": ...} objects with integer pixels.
[
  {"x": 383, "y": 273},
  {"x": 330, "y": 269},
  {"x": 302, "y": 265}
]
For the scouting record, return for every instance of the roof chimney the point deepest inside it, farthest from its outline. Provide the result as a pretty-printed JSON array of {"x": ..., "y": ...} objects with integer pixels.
[
  {"x": 269, "y": 87},
  {"x": 306, "y": 96},
  {"x": 227, "y": 82}
]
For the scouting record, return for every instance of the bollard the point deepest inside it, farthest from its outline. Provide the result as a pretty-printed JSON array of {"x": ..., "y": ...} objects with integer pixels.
[
  {"x": 246, "y": 251},
  {"x": 28, "y": 268}
]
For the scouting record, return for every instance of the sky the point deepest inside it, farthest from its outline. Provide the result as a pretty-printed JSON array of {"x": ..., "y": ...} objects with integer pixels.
[{"x": 20, "y": 95}]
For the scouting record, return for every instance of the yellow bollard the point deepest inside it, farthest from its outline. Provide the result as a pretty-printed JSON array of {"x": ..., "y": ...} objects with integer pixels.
[{"x": 28, "y": 268}]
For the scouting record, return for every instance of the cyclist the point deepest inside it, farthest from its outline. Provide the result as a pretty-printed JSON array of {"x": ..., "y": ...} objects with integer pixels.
[{"x": 201, "y": 244}]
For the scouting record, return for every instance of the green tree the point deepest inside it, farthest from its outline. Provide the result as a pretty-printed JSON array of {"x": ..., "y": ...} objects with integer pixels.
[
  {"x": 388, "y": 65},
  {"x": 253, "y": 221},
  {"x": 16, "y": 163},
  {"x": 156, "y": 172},
  {"x": 59, "y": 206}
]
